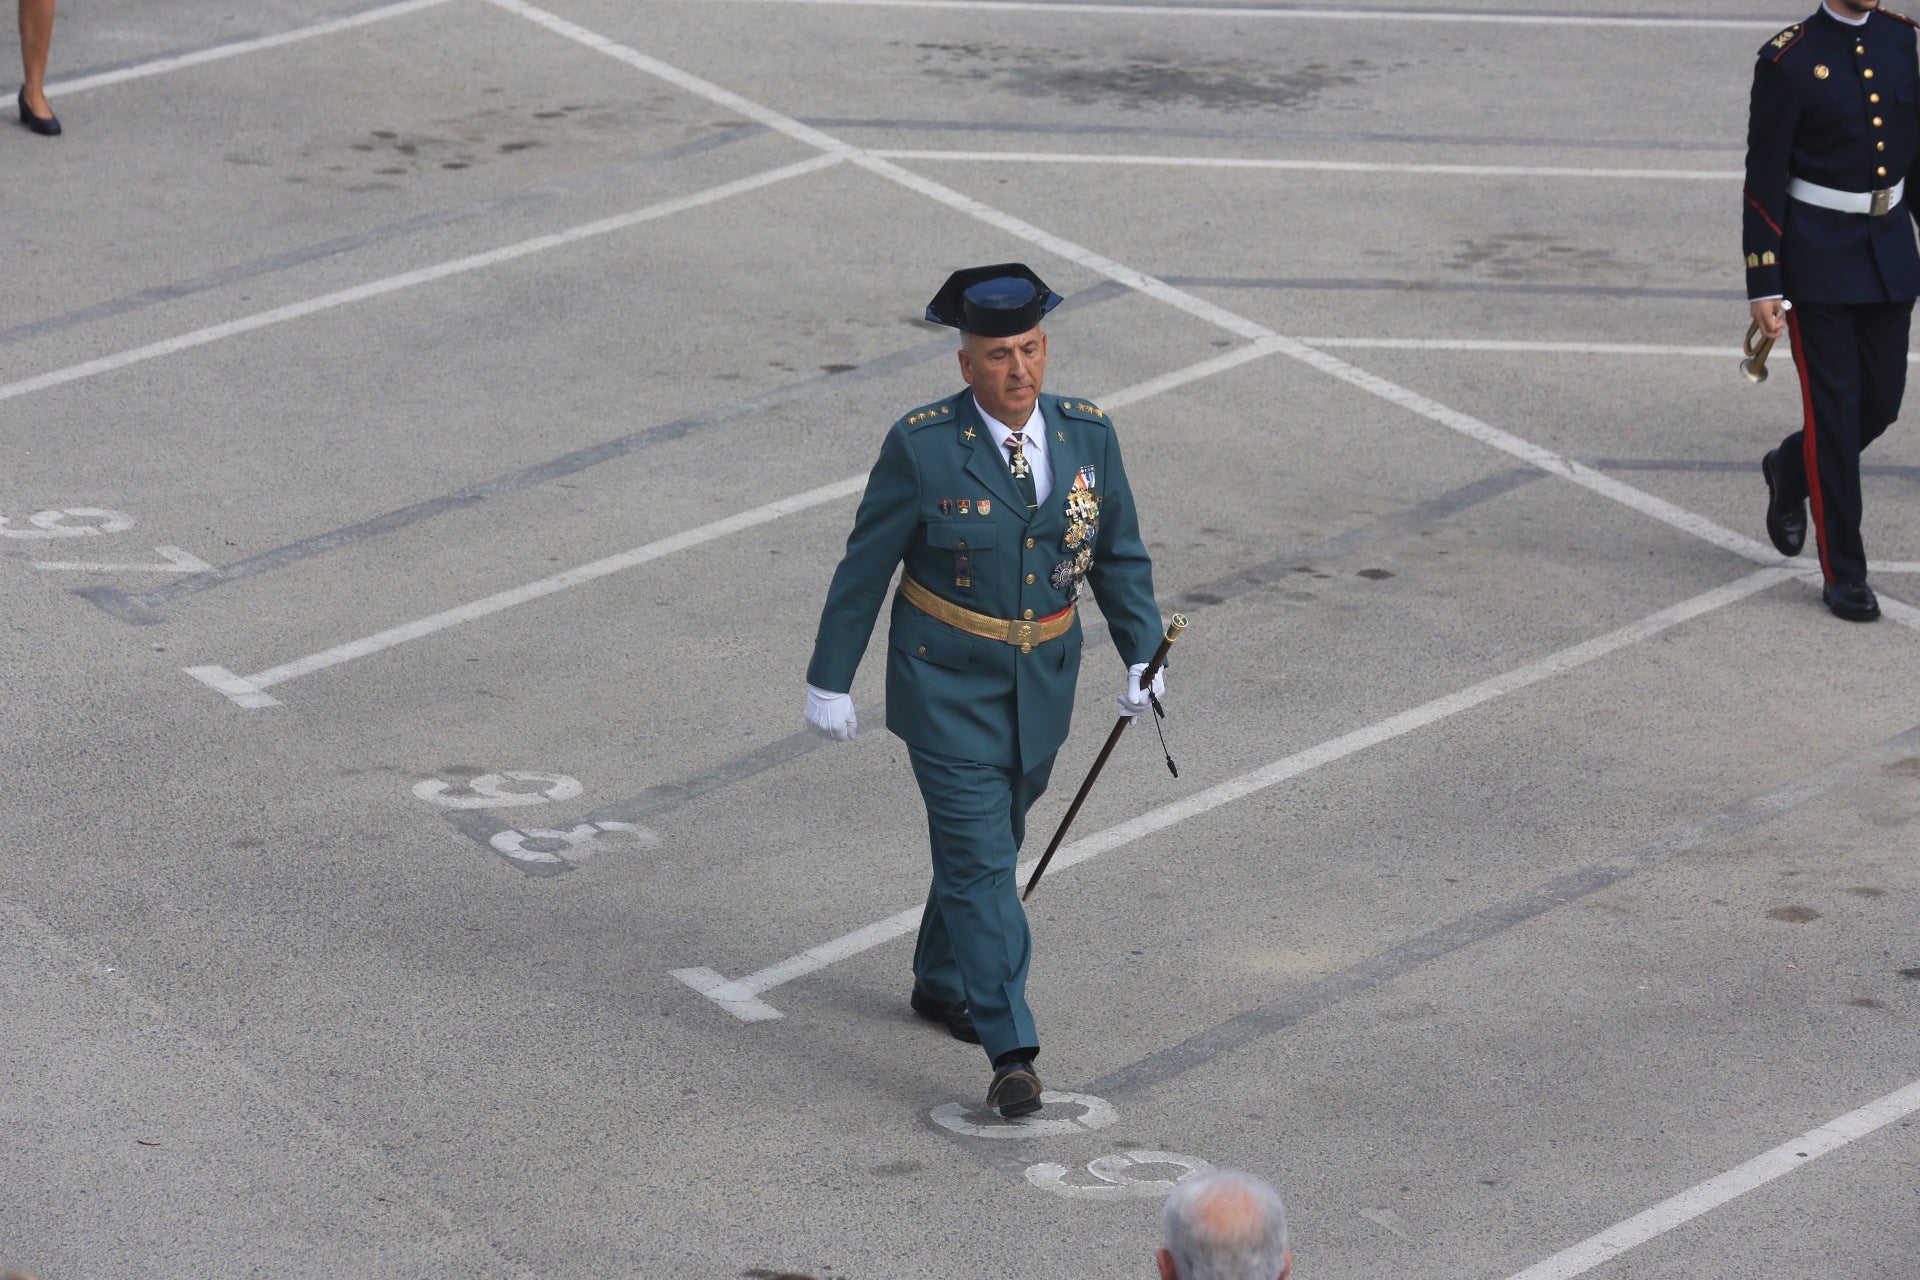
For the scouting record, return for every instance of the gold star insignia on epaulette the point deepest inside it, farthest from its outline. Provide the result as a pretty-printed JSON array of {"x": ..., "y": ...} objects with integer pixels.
[{"x": 1785, "y": 38}]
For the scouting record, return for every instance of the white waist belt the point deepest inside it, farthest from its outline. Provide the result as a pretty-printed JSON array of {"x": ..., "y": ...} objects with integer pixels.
[{"x": 1871, "y": 203}]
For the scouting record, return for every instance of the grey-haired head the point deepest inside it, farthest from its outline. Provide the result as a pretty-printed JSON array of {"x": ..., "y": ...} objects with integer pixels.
[{"x": 1224, "y": 1225}]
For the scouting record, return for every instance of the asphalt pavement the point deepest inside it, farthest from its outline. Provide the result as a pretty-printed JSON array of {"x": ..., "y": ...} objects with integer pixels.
[{"x": 429, "y": 432}]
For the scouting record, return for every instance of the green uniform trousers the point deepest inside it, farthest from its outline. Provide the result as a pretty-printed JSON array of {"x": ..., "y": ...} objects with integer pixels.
[{"x": 974, "y": 943}]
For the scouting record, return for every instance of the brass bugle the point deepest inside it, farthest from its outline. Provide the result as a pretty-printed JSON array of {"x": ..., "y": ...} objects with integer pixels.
[{"x": 1755, "y": 364}]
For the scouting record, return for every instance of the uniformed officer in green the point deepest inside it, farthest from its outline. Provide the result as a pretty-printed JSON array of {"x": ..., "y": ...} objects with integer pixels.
[{"x": 1002, "y": 503}]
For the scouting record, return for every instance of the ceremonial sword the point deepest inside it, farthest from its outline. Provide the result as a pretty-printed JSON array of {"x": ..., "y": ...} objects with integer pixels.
[{"x": 1174, "y": 628}]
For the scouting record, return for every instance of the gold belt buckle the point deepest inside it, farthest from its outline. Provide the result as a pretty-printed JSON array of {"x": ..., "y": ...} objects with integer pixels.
[
  {"x": 1021, "y": 633},
  {"x": 1882, "y": 202}
]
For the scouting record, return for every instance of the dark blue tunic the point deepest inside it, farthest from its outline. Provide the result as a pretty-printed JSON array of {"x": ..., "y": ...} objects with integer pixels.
[{"x": 1838, "y": 106}]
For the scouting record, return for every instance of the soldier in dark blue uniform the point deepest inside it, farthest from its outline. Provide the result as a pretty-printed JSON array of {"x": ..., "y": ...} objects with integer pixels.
[
  {"x": 1001, "y": 502},
  {"x": 1833, "y": 135}
]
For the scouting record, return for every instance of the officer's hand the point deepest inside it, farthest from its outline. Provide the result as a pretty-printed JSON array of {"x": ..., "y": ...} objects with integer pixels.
[
  {"x": 831, "y": 715},
  {"x": 1771, "y": 315},
  {"x": 1134, "y": 700}
]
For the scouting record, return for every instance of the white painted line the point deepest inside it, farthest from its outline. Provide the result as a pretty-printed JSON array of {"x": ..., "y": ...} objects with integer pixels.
[
  {"x": 535, "y": 590},
  {"x": 177, "y": 561},
  {"x": 714, "y": 987},
  {"x": 409, "y": 279},
  {"x": 1893, "y": 566},
  {"x": 1268, "y": 340},
  {"x": 1307, "y": 15},
  {"x": 1734, "y": 1183},
  {"x": 744, "y": 993},
  {"x": 1499, "y": 345},
  {"x": 246, "y": 691},
  {"x": 159, "y": 66},
  {"x": 1523, "y": 348},
  {"x": 1192, "y": 373},
  {"x": 243, "y": 692},
  {"x": 1587, "y": 477},
  {"x": 1900, "y": 611},
  {"x": 1191, "y": 304},
  {"x": 1316, "y": 166}
]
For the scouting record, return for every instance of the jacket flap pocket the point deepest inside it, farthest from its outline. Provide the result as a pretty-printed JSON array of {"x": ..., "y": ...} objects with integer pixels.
[
  {"x": 961, "y": 535},
  {"x": 934, "y": 642}
]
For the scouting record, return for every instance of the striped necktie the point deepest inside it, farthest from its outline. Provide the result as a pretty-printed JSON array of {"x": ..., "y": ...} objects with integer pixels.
[{"x": 1022, "y": 469}]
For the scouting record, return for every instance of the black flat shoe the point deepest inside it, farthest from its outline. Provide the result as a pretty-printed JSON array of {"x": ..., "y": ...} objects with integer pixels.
[
  {"x": 1015, "y": 1090},
  {"x": 1853, "y": 601},
  {"x": 951, "y": 1014},
  {"x": 45, "y": 126},
  {"x": 1786, "y": 520}
]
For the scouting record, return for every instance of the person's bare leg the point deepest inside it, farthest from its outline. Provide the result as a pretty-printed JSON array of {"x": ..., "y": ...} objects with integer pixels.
[{"x": 36, "y": 39}]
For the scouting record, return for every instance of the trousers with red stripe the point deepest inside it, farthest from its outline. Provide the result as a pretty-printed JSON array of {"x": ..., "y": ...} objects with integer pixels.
[{"x": 1852, "y": 360}]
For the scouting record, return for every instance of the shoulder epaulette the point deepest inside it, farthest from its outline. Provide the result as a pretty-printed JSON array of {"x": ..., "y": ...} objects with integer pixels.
[
  {"x": 938, "y": 411},
  {"x": 1083, "y": 410},
  {"x": 1899, "y": 17},
  {"x": 1773, "y": 48}
]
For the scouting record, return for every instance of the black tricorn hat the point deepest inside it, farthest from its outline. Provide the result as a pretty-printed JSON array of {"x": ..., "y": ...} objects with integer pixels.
[{"x": 993, "y": 302}]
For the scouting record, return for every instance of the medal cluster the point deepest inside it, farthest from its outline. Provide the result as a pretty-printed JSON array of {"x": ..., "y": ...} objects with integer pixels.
[{"x": 1083, "y": 523}]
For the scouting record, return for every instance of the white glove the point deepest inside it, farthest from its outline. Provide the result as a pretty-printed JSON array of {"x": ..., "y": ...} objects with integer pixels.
[
  {"x": 831, "y": 715},
  {"x": 1134, "y": 700}
]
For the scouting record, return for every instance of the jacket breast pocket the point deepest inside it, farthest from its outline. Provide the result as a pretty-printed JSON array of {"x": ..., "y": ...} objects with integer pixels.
[{"x": 960, "y": 550}]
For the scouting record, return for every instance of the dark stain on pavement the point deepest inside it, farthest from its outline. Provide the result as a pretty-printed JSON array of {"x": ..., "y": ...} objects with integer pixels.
[
  {"x": 1793, "y": 915},
  {"x": 1139, "y": 81},
  {"x": 1522, "y": 255}
]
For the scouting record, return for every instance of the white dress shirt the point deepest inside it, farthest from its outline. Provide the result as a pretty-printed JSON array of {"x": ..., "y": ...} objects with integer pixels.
[{"x": 1035, "y": 430}]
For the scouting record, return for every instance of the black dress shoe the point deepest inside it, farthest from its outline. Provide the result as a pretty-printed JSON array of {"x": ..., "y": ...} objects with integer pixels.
[
  {"x": 1015, "y": 1089},
  {"x": 1786, "y": 520},
  {"x": 45, "y": 126},
  {"x": 951, "y": 1014},
  {"x": 1853, "y": 601}
]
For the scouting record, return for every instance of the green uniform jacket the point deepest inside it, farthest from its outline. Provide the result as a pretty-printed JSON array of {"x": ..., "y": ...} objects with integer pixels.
[{"x": 948, "y": 691}]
